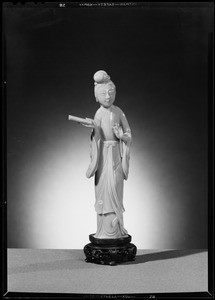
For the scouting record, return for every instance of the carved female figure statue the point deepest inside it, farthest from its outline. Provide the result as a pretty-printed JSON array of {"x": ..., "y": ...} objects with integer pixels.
[{"x": 110, "y": 153}]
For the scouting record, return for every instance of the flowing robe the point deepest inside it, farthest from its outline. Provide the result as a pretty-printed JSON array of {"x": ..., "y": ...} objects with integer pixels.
[{"x": 110, "y": 165}]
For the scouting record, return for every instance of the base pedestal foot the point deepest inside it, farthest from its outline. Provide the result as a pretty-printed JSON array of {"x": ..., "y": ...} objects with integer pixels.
[{"x": 110, "y": 251}]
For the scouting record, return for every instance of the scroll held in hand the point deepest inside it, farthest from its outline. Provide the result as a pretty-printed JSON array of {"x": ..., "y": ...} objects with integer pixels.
[{"x": 79, "y": 120}]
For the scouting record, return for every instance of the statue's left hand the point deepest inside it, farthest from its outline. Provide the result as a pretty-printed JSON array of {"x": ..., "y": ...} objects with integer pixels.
[{"x": 118, "y": 131}]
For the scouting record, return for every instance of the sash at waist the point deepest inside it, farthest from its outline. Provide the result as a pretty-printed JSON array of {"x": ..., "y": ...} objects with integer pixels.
[{"x": 108, "y": 143}]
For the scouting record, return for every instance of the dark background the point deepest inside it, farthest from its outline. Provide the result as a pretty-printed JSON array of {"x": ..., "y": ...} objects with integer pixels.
[{"x": 158, "y": 58}]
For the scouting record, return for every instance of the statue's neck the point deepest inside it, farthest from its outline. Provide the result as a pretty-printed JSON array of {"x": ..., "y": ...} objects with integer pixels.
[{"x": 107, "y": 108}]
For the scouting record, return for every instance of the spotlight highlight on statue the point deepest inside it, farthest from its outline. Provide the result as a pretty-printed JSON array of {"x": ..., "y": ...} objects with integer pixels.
[{"x": 110, "y": 154}]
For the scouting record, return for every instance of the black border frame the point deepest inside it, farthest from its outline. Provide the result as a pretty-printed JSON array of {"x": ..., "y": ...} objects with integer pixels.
[{"x": 210, "y": 294}]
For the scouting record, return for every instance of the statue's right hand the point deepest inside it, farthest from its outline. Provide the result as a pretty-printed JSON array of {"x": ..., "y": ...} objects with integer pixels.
[{"x": 92, "y": 125}]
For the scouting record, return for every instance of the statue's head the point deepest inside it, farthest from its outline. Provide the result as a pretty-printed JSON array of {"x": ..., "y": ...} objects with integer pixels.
[{"x": 105, "y": 89}]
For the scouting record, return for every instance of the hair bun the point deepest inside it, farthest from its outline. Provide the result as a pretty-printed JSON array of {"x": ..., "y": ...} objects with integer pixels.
[{"x": 101, "y": 77}]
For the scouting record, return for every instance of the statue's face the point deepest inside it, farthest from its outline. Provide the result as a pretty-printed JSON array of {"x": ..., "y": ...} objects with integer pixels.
[{"x": 106, "y": 94}]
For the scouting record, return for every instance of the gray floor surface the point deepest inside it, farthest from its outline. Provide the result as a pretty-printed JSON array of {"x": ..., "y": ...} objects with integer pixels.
[{"x": 65, "y": 271}]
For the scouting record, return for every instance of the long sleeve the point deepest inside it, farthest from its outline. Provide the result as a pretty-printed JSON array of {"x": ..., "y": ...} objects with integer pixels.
[
  {"x": 94, "y": 157},
  {"x": 94, "y": 151},
  {"x": 125, "y": 144}
]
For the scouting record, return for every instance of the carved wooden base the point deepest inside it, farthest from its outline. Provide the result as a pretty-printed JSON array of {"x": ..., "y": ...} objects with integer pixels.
[{"x": 110, "y": 251}]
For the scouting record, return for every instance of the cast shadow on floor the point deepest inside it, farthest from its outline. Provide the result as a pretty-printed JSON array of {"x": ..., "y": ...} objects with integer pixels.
[{"x": 143, "y": 258}]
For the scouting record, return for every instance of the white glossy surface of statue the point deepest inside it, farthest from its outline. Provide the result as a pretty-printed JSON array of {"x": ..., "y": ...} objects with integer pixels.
[{"x": 110, "y": 154}]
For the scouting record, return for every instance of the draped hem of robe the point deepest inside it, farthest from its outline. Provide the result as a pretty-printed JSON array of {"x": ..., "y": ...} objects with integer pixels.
[{"x": 106, "y": 187}]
